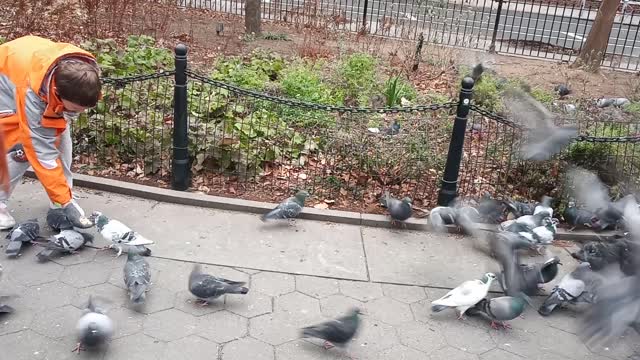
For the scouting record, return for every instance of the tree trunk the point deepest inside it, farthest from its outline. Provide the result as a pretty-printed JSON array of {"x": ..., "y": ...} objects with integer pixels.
[
  {"x": 596, "y": 45},
  {"x": 252, "y": 17}
]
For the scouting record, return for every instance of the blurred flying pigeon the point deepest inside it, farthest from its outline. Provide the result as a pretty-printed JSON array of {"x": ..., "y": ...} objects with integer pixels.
[
  {"x": 117, "y": 233},
  {"x": 592, "y": 193},
  {"x": 533, "y": 221},
  {"x": 335, "y": 332},
  {"x": 499, "y": 309},
  {"x": 600, "y": 254},
  {"x": 25, "y": 232},
  {"x": 617, "y": 305},
  {"x": 290, "y": 208},
  {"x": 137, "y": 276},
  {"x": 465, "y": 295},
  {"x": 67, "y": 241},
  {"x": 491, "y": 210},
  {"x": 477, "y": 71},
  {"x": 399, "y": 210},
  {"x": 575, "y": 216},
  {"x": 94, "y": 328},
  {"x": 516, "y": 277},
  {"x": 208, "y": 288},
  {"x": 58, "y": 221},
  {"x": 544, "y": 139},
  {"x": 578, "y": 286}
]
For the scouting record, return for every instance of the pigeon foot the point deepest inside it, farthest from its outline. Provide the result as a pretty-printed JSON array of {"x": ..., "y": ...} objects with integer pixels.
[
  {"x": 78, "y": 348},
  {"x": 327, "y": 345},
  {"x": 498, "y": 325},
  {"x": 202, "y": 302}
]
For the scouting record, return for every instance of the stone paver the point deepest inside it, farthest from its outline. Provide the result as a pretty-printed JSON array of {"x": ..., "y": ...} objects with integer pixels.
[
  {"x": 191, "y": 347},
  {"x": 247, "y": 348},
  {"x": 169, "y": 325},
  {"x": 222, "y": 326},
  {"x": 317, "y": 287},
  {"x": 396, "y": 324},
  {"x": 273, "y": 284}
]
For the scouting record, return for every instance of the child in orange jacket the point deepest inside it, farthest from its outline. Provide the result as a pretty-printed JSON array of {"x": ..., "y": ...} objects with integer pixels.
[{"x": 43, "y": 86}]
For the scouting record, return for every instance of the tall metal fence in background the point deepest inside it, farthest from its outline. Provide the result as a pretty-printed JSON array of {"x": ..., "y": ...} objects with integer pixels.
[
  {"x": 173, "y": 125},
  {"x": 550, "y": 29}
]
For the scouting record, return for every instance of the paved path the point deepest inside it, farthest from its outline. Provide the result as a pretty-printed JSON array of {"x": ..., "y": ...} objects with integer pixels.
[{"x": 297, "y": 275}]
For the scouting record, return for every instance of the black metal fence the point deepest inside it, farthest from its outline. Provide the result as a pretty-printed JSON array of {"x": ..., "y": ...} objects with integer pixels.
[
  {"x": 550, "y": 29},
  {"x": 222, "y": 139}
]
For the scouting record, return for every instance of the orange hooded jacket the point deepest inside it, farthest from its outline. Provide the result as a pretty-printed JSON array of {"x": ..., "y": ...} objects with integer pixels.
[{"x": 31, "y": 114}]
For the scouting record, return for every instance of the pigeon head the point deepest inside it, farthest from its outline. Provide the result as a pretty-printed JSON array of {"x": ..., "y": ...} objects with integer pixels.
[
  {"x": 99, "y": 219},
  {"x": 302, "y": 195},
  {"x": 407, "y": 200},
  {"x": 488, "y": 278}
]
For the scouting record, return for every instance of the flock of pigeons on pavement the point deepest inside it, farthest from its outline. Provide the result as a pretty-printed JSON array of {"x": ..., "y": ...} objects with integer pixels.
[{"x": 611, "y": 298}]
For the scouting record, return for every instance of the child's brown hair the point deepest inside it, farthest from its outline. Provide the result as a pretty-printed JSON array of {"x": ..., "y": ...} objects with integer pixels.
[{"x": 78, "y": 82}]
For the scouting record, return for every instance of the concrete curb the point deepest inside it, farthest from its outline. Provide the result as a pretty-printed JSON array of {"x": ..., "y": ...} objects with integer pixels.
[{"x": 258, "y": 207}]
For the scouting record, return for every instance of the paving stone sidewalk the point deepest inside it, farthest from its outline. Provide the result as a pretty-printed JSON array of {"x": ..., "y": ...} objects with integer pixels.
[{"x": 263, "y": 325}]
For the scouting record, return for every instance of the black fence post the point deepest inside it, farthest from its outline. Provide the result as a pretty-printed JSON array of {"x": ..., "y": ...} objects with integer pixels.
[
  {"x": 449, "y": 186},
  {"x": 180, "y": 173},
  {"x": 364, "y": 13},
  {"x": 492, "y": 47}
]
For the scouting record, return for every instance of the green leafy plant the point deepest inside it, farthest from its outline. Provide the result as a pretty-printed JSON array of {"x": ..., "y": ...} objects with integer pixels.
[
  {"x": 357, "y": 75},
  {"x": 395, "y": 89}
]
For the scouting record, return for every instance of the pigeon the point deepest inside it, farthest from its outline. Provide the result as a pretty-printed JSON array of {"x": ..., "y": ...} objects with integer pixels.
[
  {"x": 599, "y": 254},
  {"x": 393, "y": 129},
  {"x": 545, "y": 233},
  {"x": 67, "y": 241},
  {"x": 58, "y": 221},
  {"x": 399, "y": 210},
  {"x": 462, "y": 216},
  {"x": 578, "y": 286},
  {"x": 617, "y": 305},
  {"x": 290, "y": 208},
  {"x": 477, "y": 71},
  {"x": 543, "y": 139},
  {"x": 562, "y": 90},
  {"x": 491, "y": 210},
  {"x": 117, "y": 233},
  {"x": 544, "y": 206},
  {"x": 465, "y": 295},
  {"x": 208, "y": 288},
  {"x": 94, "y": 328},
  {"x": 592, "y": 193},
  {"x": 25, "y": 232},
  {"x": 576, "y": 217},
  {"x": 533, "y": 221},
  {"x": 335, "y": 332},
  {"x": 518, "y": 208},
  {"x": 516, "y": 278},
  {"x": 499, "y": 309},
  {"x": 137, "y": 276}
]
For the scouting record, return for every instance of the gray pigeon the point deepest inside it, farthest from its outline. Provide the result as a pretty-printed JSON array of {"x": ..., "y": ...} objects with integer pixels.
[
  {"x": 290, "y": 208},
  {"x": 499, "y": 309},
  {"x": 579, "y": 286},
  {"x": 25, "y": 232},
  {"x": 94, "y": 328},
  {"x": 137, "y": 276},
  {"x": 543, "y": 139},
  {"x": 57, "y": 220},
  {"x": 464, "y": 217},
  {"x": 517, "y": 278},
  {"x": 67, "y": 241},
  {"x": 477, "y": 71},
  {"x": 617, "y": 305},
  {"x": 399, "y": 210},
  {"x": 335, "y": 332},
  {"x": 208, "y": 288}
]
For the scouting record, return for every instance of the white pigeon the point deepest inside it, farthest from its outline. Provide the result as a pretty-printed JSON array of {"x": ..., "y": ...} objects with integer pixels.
[
  {"x": 465, "y": 295},
  {"x": 118, "y": 233}
]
